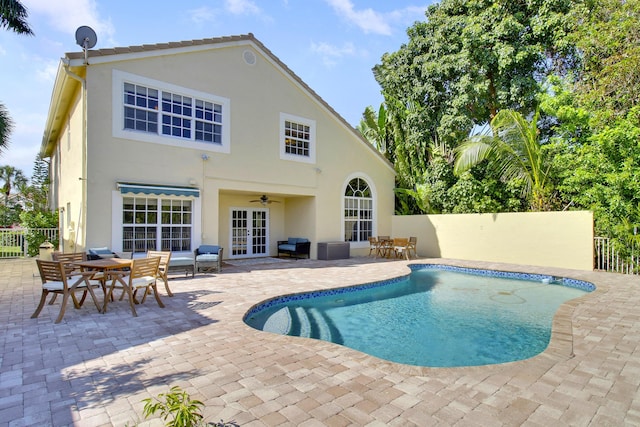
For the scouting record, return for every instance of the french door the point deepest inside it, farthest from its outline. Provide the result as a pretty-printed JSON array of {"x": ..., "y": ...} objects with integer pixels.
[{"x": 249, "y": 232}]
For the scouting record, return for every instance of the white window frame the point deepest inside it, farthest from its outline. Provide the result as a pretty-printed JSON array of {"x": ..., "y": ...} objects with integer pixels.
[
  {"x": 311, "y": 158},
  {"x": 119, "y": 78},
  {"x": 117, "y": 200},
  {"x": 374, "y": 207}
]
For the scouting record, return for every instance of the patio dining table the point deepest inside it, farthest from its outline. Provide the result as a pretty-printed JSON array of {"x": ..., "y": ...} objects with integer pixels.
[{"x": 105, "y": 265}]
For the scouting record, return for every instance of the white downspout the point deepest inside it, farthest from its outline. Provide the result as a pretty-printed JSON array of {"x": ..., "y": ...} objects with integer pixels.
[{"x": 82, "y": 215}]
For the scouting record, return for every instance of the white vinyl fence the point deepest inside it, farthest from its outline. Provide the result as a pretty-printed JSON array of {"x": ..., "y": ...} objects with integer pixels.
[
  {"x": 608, "y": 259},
  {"x": 14, "y": 242}
]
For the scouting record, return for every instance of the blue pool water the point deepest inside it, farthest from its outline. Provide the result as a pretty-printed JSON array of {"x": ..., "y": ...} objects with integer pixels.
[{"x": 438, "y": 316}]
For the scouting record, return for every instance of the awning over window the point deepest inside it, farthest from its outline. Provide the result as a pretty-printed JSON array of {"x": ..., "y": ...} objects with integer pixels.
[{"x": 157, "y": 190}]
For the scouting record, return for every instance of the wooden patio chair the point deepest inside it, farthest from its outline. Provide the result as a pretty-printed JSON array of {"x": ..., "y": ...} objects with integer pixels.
[
  {"x": 413, "y": 243},
  {"x": 142, "y": 275},
  {"x": 57, "y": 280},
  {"x": 70, "y": 259},
  {"x": 163, "y": 267},
  {"x": 373, "y": 246},
  {"x": 400, "y": 247}
]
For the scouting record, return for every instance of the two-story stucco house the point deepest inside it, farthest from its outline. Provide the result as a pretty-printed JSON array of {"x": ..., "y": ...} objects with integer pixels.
[{"x": 172, "y": 145}]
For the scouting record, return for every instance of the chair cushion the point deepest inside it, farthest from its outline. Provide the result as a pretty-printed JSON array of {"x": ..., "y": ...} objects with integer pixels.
[
  {"x": 208, "y": 249},
  {"x": 287, "y": 247},
  {"x": 53, "y": 286},
  {"x": 58, "y": 286},
  {"x": 142, "y": 282},
  {"x": 207, "y": 257}
]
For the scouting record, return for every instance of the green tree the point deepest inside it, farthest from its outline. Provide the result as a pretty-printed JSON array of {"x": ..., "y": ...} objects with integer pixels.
[
  {"x": 6, "y": 126},
  {"x": 514, "y": 151},
  {"x": 609, "y": 38},
  {"x": 13, "y": 16},
  {"x": 603, "y": 175},
  {"x": 469, "y": 60},
  {"x": 11, "y": 178},
  {"x": 34, "y": 220},
  {"x": 36, "y": 195},
  {"x": 376, "y": 129}
]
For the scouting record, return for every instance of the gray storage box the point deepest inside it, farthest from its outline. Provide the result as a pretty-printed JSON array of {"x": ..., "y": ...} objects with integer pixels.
[{"x": 333, "y": 250}]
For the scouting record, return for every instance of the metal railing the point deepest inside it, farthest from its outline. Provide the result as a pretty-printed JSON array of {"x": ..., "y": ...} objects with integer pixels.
[
  {"x": 14, "y": 242},
  {"x": 608, "y": 259}
]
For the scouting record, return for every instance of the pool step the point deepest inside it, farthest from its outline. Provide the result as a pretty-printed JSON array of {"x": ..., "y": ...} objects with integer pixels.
[
  {"x": 303, "y": 321},
  {"x": 279, "y": 322},
  {"x": 308, "y": 323},
  {"x": 322, "y": 330}
]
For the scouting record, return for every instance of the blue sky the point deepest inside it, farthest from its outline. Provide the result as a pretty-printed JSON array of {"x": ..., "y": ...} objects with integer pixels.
[{"x": 331, "y": 44}]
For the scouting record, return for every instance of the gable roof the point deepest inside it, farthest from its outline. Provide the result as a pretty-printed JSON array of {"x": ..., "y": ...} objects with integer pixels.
[{"x": 72, "y": 66}]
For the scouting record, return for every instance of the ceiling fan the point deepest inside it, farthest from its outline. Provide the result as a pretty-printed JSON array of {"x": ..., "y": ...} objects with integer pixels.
[{"x": 264, "y": 200}]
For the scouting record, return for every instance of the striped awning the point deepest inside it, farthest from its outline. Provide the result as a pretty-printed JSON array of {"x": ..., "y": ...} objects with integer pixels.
[{"x": 157, "y": 190}]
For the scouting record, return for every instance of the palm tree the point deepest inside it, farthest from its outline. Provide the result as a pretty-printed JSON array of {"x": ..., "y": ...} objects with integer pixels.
[
  {"x": 514, "y": 149},
  {"x": 6, "y": 126},
  {"x": 376, "y": 129},
  {"x": 13, "y": 16},
  {"x": 11, "y": 177}
]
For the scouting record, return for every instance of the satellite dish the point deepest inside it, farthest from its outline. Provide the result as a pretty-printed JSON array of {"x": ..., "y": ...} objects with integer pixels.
[{"x": 86, "y": 37}]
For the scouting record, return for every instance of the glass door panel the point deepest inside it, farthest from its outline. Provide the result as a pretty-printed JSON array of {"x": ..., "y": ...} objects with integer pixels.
[{"x": 249, "y": 232}]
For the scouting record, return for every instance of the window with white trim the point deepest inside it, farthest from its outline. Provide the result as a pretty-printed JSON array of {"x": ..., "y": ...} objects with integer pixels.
[
  {"x": 156, "y": 223},
  {"x": 297, "y": 138},
  {"x": 155, "y": 111},
  {"x": 358, "y": 211}
]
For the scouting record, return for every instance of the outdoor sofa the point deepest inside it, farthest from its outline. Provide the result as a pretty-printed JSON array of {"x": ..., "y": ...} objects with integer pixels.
[{"x": 296, "y": 247}]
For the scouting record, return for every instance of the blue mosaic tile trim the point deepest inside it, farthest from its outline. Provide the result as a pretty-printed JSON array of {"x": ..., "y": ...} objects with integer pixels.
[
  {"x": 574, "y": 283},
  {"x": 314, "y": 294}
]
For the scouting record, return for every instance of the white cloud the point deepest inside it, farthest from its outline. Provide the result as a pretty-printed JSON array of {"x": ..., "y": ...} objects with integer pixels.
[
  {"x": 371, "y": 21},
  {"x": 202, "y": 15},
  {"x": 242, "y": 7},
  {"x": 330, "y": 54},
  {"x": 48, "y": 71},
  {"x": 367, "y": 20},
  {"x": 67, "y": 15}
]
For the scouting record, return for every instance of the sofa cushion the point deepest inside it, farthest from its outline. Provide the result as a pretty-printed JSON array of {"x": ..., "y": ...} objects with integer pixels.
[
  {"x": 207, "y": 257},
  {"x": 294, "y": 240},
  {"x": 102, "y": 252},
  {"x": 180, "y": 261},
  {"x": 208, "y": 249}
]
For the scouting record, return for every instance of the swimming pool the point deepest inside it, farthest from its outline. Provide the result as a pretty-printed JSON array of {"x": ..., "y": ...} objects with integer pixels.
[{"x": 437, "y": 316}]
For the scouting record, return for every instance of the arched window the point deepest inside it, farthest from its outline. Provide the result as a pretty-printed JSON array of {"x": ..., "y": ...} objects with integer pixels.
[{"x": 358, "y": 211}]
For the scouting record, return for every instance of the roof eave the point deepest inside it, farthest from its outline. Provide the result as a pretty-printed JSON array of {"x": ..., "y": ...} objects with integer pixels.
[{"x": 63, "y": 89}]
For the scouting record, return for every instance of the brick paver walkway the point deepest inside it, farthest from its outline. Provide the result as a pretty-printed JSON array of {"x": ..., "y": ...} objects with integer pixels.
[{"x": 94, "y": 369}]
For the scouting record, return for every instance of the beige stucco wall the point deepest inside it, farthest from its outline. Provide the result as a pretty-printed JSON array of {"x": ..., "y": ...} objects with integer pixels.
[
  {"x": 311, "y": 193},
  {"x": 554, "y": 239},
  {"x": 67, "y": 169}
]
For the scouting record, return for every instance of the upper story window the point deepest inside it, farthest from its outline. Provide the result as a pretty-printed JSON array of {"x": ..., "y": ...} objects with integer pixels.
[
  {"x": 297, "y": 138},
  {"x": 169, "y": 114}
]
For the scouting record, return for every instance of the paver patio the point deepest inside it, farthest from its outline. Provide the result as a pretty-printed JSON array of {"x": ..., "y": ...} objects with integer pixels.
[{"x": 94, "y": 369}]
